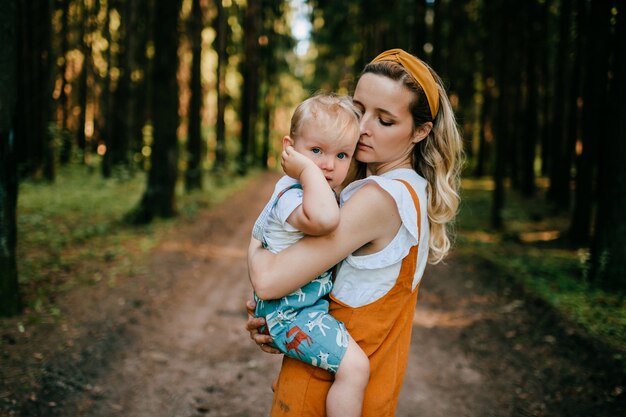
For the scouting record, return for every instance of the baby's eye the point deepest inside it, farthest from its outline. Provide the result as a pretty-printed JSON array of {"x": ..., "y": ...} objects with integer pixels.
[
  {"x": 316, "y": 150},
  {"x": 342, "y": 155},
  {"x": 384, "y": 123}
]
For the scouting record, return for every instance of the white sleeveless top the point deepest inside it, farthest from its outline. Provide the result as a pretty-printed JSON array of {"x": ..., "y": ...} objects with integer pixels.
[{"x": 361, "y": 280}]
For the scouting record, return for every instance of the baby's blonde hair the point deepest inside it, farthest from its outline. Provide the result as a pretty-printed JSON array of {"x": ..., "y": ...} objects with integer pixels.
[{"x": 333, "y": 112}]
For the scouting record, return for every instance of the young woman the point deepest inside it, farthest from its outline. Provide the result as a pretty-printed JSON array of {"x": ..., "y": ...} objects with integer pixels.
[{"x": 393, "y": 222}]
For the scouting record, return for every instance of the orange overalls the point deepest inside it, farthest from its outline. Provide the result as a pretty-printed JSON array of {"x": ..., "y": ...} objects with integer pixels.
[{"x": 382, "y": 329}]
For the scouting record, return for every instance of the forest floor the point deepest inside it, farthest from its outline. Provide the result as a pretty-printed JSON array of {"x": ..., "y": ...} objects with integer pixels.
[{"x": 170, "y": 341}]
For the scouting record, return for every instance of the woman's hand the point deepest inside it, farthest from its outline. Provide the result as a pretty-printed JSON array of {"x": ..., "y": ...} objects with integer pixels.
[{"x": 253, "y": 325}]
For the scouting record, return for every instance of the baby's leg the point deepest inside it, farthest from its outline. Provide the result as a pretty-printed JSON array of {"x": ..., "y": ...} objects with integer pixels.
[{"x": 345, "y": 397}]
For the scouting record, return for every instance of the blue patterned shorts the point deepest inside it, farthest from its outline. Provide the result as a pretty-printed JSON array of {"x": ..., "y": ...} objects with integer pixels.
[{"x": 302, "y": 328}]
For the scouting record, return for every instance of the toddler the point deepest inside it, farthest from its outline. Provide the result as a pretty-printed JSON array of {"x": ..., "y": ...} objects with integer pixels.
[{"x": 316, "y": 158}]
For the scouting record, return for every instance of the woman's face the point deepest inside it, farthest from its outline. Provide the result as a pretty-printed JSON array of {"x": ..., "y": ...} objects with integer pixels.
[{"x": 387, "y": 138}]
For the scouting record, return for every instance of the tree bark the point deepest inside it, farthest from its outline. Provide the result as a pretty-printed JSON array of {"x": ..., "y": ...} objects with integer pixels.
[
  {"x": 501, "y": 135},
  {"x": 419, "y": 28},
  {"x": 222, "y": 62},
  {"x": 486, "y": 127},
  {"x": 107, "y": 98},
  {"x": 608, "y": 251},
  {"x": 594, "y": 119},
  {"x": 117, "y": 151},
  {"x": 195, "y": 149},
  {"x": 137, "y": 15},
  {"x": 560, "y": 151},
  {"x": 159, "y": 197},
  {"x": 9, "y": 289},
  {"x": 573, "y": 127},
  {"x": 34, "y": 146},
  {"x": 141, "y": 87},
  {"x": 531, "y": 125},
  {"x": 63, "y": 105},
  {"x": 249, "y": 99},
  {"x": 85, "y": 45}
]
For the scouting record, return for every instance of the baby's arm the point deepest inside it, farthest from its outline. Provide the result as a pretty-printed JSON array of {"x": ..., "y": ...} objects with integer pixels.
[{"x": 319, "y": 213}]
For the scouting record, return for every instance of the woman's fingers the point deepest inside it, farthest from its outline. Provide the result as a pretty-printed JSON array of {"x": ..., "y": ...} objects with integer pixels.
[
  {"x": 250, "y": 306},
  {"x": 263, "y": 340},
  {"x": 268, "y": 349},
  {"x": 252, "y": 326}
]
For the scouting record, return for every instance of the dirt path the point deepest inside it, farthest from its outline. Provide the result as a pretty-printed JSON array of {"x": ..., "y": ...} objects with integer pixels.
[{"x": 173, "y": 344}]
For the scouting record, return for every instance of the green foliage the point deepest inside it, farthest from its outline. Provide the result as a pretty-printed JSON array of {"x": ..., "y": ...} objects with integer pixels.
[
  {"x": 71, "y": 233},
  {"x": 532, "y": 253}
]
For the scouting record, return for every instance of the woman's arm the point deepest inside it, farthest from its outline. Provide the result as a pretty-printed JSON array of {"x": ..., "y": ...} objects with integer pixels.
[{"x": 370, "y": 217}]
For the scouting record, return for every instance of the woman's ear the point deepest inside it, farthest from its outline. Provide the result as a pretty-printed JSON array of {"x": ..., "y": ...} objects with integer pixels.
[
  {"x": 421, "y": 132},
  {"x": 287, "y": 141}
]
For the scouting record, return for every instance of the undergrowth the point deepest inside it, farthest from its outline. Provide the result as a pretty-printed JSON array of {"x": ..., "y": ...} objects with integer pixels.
[
  {"x": 73, "y": 233},
  {"x": 533, "y": 250}
]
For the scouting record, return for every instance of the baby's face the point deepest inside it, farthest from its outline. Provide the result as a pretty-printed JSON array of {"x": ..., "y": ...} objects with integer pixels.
[{"x": 330, "y": 153}]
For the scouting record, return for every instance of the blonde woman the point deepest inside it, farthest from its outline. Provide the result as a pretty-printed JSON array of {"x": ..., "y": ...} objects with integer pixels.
[{"x": 393, "y": 222}]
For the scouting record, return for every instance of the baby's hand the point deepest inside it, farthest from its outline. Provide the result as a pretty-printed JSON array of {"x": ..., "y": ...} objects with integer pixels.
[{"x": 294, "y": 163}]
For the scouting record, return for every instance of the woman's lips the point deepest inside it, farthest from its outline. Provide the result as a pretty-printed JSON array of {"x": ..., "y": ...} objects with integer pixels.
[{"x": 363, "y": 146}]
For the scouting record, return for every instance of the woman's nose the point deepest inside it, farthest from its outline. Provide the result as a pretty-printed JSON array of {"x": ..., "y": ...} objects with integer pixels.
[{"x": 364, "y": 125}]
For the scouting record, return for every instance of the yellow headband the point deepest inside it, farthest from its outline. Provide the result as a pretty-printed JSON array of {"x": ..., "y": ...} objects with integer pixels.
[{"x": 420, "y": 73}]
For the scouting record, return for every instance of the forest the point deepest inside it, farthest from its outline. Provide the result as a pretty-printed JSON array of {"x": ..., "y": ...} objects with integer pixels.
[{"x": 172, "y": 102}]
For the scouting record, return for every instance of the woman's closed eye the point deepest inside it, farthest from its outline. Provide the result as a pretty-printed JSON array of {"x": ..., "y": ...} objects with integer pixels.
[{"x": 384, "y": 122}]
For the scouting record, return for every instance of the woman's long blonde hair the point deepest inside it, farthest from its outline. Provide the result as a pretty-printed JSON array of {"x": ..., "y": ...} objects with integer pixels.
[{"x": 438, "y": 158}]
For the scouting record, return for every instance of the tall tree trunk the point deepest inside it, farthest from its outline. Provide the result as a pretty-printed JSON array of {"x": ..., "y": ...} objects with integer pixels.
[
  {"x": 222, "y": 61},
  {"x": 486, "y": 127},
  {"x": 35, "y": 148},
  {"x": 531, "y": 126},
  {"x": 419, "y": 28},
  {"x": 502, "y": 124},
  {"x": 268, "y": 45},
  {"x": 159, "y": 197},
  {"x": 118, "y": 143},
  {"x": 267, "y": 114},
  {"x": 546, "y": 78},
  {"x": 560, "y": 151},
  {"x": 438, "y": 57},
  {"x": 9, "y": 289},
  {"x": 85, "y": 45},
  {"x": 514, "y": 137},
  {"x": 573, "y": 128},
  {"x": 594, "y": 119},
  {"x": 195, "y": 149},
  {"x": 608, "y": 251},
  {"x": 249, "y": 102},
  {"x": 107, "y": 98},
  {"x": 137, "y": 15},
  {"x": 64, "y": 93},
  {"x": 141, "y": 87},
  {"x": 488, "y": 111},
  {"x": 268, "y": 103}
]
